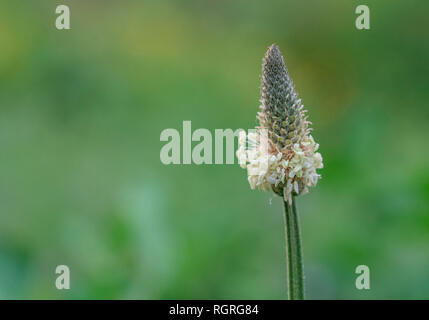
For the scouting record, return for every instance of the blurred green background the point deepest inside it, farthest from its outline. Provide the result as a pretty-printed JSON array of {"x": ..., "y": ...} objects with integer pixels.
[{"x": 82, "y": 184}]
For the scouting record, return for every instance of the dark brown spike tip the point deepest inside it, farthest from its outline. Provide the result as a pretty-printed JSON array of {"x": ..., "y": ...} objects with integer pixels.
[
  {"x": 274, "y": 49},
  {"x": 273, "y": 56}
]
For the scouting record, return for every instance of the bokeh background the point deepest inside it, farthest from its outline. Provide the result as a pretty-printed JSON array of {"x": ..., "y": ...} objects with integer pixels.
[{"x": 82, "y": 184}]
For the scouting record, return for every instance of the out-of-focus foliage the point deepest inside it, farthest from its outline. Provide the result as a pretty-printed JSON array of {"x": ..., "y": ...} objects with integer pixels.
[{"x": 81, "y": 182}]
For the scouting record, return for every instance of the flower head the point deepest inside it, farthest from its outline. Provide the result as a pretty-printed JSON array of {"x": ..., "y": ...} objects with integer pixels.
[{"x": 281, "y": 154}]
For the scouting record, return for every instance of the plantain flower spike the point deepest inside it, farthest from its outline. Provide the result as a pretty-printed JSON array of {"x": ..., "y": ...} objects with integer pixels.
[{"x": 280, "y": 154}]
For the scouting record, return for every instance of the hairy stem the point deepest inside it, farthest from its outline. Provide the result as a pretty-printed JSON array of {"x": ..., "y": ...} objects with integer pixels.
[{"x": 295, "y": 267}]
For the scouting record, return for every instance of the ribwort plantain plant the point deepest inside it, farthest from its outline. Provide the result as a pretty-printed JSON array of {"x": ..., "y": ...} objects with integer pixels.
[{"x": 280, "y": 155}]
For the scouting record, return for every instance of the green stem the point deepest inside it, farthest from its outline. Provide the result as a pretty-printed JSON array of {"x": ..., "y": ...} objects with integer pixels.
[{"x": 295, "y": 267}]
